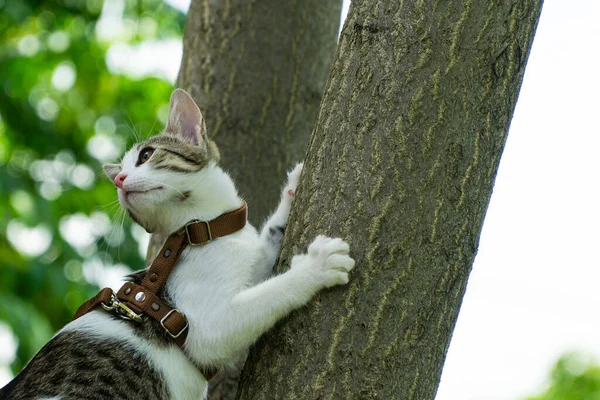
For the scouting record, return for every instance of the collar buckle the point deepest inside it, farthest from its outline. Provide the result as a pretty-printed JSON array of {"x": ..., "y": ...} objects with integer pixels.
[
  {"x": 182, "y": 329},
  {"x": 189, "y": 237}
]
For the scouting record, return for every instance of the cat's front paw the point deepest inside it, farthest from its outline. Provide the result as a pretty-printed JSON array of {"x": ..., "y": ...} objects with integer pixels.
[
  {"x": 329, "y": 260},
  {"x": 292, "y": 183}
]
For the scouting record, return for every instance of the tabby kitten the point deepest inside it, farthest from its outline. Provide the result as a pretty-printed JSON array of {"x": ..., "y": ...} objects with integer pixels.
[{"x": 223, "y": 287}]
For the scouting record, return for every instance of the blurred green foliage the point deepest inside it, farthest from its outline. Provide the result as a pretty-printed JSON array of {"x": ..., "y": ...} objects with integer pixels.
[
  {"x": 62, "y": 113},
  {"x": 574, "y": 377}
]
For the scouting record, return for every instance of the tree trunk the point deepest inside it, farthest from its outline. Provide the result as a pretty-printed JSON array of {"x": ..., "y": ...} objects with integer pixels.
[
  {"x": 257, "y": 70},
  {"x": 401, "y": 164}
]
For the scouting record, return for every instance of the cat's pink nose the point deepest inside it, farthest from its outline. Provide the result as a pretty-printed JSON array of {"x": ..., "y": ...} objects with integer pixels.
[{"x": 119, "y": 179}]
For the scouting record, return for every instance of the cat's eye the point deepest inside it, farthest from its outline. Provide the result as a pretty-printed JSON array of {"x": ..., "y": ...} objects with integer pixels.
[{"x": 145, "y": 155}]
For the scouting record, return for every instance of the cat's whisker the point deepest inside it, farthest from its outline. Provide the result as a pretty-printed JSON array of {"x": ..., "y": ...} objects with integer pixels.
[
  {"x": 116, "y": 229},
  {"x": 121, "y": 232},
  {"x": 120, "y": 214},
  {"x": 113, "y": 213},
  {"x": 152, "y": 128},
  {"x": 133, "y": 129},
  {"x": 174, "y": 189},
  {"x": 111, "y": 209},
  {"x": 110, "y": 204},
  {"x": 154, "y": 209}
]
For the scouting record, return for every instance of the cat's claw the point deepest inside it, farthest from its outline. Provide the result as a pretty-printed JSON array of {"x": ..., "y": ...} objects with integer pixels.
[{"x": 292, "y": 183}]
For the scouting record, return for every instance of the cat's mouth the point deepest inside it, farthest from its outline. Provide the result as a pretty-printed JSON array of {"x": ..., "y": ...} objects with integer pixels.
[{"x": 129, "y": 193}]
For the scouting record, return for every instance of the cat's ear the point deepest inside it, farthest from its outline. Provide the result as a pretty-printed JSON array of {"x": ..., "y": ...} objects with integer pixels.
[
  {"x": 112, "y": 170},
  {"x": 185, "y": 118}
]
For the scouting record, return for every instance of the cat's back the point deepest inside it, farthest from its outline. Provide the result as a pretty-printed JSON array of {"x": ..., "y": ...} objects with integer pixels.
[
  {"x": 99, "y": 356},
  {"x": 76, "y": 365}
]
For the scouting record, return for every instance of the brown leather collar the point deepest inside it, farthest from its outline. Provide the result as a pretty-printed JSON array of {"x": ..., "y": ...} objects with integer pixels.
[{"x": 137, "y": 302}]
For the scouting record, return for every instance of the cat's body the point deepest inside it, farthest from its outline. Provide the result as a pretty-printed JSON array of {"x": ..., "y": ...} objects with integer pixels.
[{"x": 221, "y": 287}]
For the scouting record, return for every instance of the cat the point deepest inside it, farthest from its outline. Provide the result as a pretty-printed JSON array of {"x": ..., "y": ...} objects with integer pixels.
[{"x": 224, "y": 287}]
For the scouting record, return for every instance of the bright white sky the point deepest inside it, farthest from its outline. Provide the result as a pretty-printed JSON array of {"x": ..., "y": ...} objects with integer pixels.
[
  {"x": 532, "y": 295},
  {"x": 533, "y": 292}
]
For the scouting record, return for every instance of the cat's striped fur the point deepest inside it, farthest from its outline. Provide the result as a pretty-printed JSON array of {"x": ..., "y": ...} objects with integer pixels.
[
  {"x": 173, "y": 154},
  {"x": 79, "y": 366}
]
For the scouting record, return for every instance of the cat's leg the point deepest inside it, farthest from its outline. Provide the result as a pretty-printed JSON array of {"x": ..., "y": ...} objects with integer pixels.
[
  {"x": 271, "y": 234},
  {"x": 255, "y": 310}
]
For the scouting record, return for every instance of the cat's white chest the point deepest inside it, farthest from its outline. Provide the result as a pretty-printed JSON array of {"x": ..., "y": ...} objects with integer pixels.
[{"x": 204, "y": 282}]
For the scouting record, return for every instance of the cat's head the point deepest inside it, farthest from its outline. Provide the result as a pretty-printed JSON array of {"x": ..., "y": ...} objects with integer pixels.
[{"x": 162, "y": 175}]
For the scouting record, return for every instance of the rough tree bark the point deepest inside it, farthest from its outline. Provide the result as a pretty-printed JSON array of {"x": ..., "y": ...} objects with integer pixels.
[
  {"x": 257, "y": 70},
  {"x": 401, "y": 164}
]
